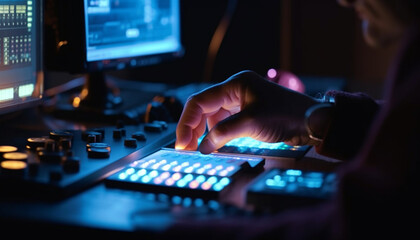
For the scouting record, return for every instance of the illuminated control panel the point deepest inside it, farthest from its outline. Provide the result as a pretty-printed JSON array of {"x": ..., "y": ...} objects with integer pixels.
[
  {"x": 183, "y": 173},
  {"x": 16, "y": 36},
  {"x": 282, "y": 188},
  {"x": 250, "y": 146}
]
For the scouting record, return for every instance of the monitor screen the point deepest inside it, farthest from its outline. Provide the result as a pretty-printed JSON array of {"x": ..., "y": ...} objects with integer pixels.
[
  {"x": 96, "y": 37},
  {"x": 21, "y": 76},
  {"x": 85, "y": 36},
  {"x": 120, "y": 34}
]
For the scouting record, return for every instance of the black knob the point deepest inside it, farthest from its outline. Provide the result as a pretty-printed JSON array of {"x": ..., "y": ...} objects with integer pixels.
[
  {"x": 139, "y": 135},
  {"x": 57, "y": 135},
  {"x": 130, "y": 142},
  {"x": 116, "y": 134},
  {"x": 98, "y": 152},
  {"x": 71, "y": 165}
]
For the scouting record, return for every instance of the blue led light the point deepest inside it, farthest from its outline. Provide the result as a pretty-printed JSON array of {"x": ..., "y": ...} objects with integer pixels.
[
  {"x": 153, "y": 173},
  {"x": 188, "y": 177},
  {"x": 181, "y": 183},
  {"x": 212, "y": 180},
  {"x": 218, "y": 186},
  {"x": 176, "y": 200},
  {"x": 145, "y": 179},
  {"x": 314, "y": 183},
  {"x": 142, "y": 172},
  {"x": 122, "y": 176},
  {"x": 130, "y": 170},
  {"x": 224, "y": 181},
  {"x": 274, "y": 183},
  {"x": 134, "y": 177},
  {"x": 293, "y": 172},
  {"x": 200, "y": 178}
]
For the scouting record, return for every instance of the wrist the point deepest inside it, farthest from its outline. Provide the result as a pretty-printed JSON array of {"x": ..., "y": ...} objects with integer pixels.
[{"x": 318, "y": 118}]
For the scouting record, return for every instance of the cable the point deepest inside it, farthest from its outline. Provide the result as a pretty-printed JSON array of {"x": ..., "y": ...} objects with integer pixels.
[{"x": 217, "y": 39}]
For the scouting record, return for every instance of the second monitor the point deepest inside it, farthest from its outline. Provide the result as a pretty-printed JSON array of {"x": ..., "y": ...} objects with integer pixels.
[{"x": 94, "y": 37}]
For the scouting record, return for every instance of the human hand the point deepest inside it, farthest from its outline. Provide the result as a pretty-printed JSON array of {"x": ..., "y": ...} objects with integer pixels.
[{"x": 244, "y": 105}]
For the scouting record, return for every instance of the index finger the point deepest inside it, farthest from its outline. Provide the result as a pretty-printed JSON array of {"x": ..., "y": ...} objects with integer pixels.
[{"x": 198, "y": 107}]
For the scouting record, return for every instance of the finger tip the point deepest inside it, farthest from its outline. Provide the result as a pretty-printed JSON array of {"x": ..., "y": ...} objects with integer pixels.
[{"x": 206, "y": 146}]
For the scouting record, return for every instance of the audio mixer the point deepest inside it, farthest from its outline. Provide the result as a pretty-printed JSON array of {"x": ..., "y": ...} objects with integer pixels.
[{"x": 66, "y": 161}]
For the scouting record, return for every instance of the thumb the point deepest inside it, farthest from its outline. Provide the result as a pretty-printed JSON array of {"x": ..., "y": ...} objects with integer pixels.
[{"x": 235, "y": 126}]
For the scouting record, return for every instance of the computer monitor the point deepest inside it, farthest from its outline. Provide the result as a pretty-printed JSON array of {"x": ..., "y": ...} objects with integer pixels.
[
  {"x": 93, "y": 37},
  {"x": 21, "y": 75}
]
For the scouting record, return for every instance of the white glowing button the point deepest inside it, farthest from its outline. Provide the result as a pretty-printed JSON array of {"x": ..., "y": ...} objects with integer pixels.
[
  {"x": 177, "y": 168},
  {"x": 13, "y": 165},
  {"x": 26, "y": 90},
  {"x": 166, "y": 167},
  {"x": 165, "y": 175},
  {"x": 134, "y": 177},
  {"x": 189, "y": 169},
  {"x": 184, "y": 164},
  {"x": 193, "y": 184},
  {"x": 153, "y": 173},
  {"x": 212, "y": 180},
  {"x": 129, "y": 171},
  {"x": 169, "y": 182},
  {"x": 141, "y": 172},
  {"x": 6, "y": 94},
  {"x": 15, "y": 156},
  {"x": 205, "y": 186},
  {"x": 219, "y": 167},
  {"x": 176, "y": 176},
  {"x": 122, "y": 176},
  {"x": 4, "y": 149}
]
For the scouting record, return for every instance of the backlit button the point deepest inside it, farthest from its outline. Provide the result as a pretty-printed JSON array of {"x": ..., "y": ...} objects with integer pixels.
[
  {"x": 6, "y": 149},
  {"x": 13, "y": 167},
  {"x": 18, "y": 156}
]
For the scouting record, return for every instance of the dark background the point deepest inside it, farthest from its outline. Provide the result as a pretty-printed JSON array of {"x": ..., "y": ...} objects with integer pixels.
[{"x": 316, "y": 39}]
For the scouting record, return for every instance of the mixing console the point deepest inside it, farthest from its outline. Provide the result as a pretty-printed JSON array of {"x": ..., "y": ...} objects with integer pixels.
[{"x": 67, "y": 161}]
